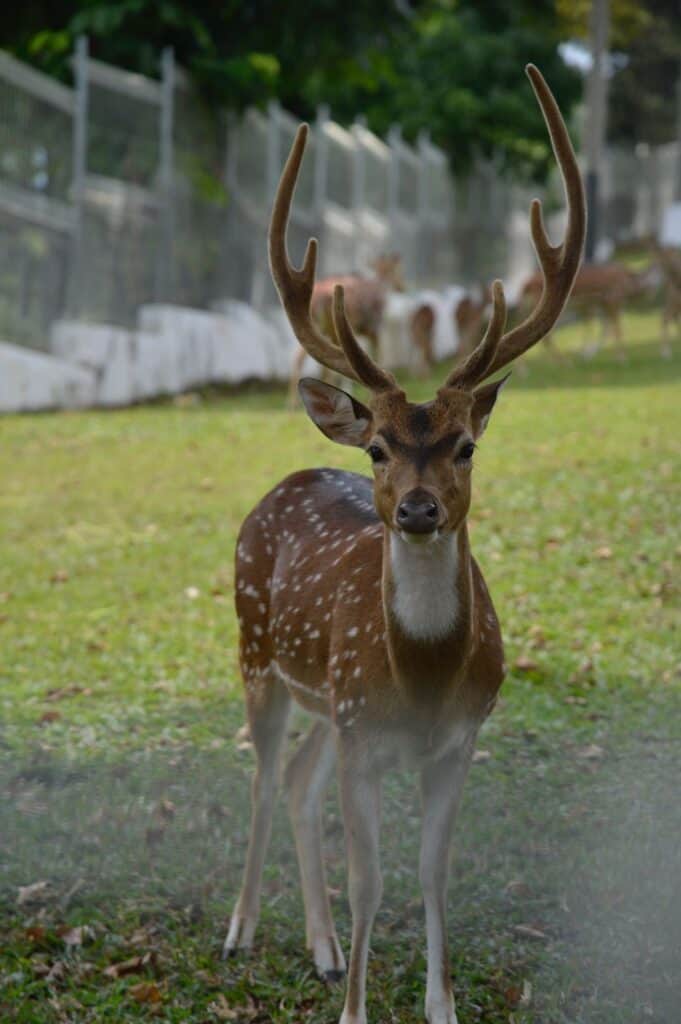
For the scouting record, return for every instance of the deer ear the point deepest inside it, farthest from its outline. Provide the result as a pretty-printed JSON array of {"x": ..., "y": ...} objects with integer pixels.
[
  {"x": 483, "y": 403},
  {"x": 337, "y": 414}
]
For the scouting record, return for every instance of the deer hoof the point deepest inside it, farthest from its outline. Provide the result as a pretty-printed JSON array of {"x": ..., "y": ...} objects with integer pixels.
[
  {"x": 239, "y": 937},
  {"x": 328, "y": 958}
]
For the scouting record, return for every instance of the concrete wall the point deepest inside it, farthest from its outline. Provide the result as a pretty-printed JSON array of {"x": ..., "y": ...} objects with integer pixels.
[
  {"x": 31, "y": 381},
  {"x": 174, "y": 349}
]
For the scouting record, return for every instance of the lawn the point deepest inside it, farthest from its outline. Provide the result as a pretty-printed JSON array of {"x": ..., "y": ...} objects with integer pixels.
[{"x": 124, "y": 777}]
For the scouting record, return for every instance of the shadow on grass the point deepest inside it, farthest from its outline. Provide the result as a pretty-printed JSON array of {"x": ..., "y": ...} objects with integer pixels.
[{"x": 567, "y": 876}]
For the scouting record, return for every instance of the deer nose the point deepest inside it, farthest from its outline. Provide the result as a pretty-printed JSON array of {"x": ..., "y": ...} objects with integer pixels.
[{"x": 418, "y": 513}]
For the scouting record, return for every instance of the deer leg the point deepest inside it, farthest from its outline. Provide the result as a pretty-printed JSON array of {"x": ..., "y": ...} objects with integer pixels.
[
  {"x": 296, "y": 372},
  {"x": 307, "y": 777},
  {"x": 361, "y": 801},
  {"x": 267, "y": 716},
  {"x": 617, "y": 335},
  {"x": 441, "y": 788}
]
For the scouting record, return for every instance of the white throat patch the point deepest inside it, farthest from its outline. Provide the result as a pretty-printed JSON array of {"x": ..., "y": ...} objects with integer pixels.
[{"x": 425, "y": 600}]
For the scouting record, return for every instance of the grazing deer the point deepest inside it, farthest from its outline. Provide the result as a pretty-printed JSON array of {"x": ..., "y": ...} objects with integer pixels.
[
  {"x": 364, "y": 604},
  {"x": 365, "y": 304},
  {"x": 468, "y": 315},
  {"x": 598, "y": 288}
]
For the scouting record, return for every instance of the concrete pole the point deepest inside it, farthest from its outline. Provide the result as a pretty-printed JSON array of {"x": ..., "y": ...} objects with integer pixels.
[{"x": 597, "y": 89}]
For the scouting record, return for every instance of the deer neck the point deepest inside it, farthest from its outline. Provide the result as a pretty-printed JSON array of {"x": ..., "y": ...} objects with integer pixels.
[{"x": 427, "y": 601}]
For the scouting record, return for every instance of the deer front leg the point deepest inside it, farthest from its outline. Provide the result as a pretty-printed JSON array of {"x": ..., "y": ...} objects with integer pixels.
[
  {"x": 441, "y": 787},
  {"x": 361, "y": 801}
]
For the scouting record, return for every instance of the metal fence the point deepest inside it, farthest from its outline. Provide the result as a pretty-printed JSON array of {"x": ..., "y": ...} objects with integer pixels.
[{"x": 124, "y": 190}]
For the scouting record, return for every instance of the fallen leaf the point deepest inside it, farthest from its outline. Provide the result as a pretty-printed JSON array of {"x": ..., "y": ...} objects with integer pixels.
[
  {"x": 603, "y": 552},
  {"x": 528, "y": 932},
  {"x": 132, "y": 966},
  {"x": 57, "y": 972},
  {"x": 480, "y": 756},
  {"x": 525, "y": 664},
  {"x": 36, "y": 932},
  {"x": 221, "y": 1009},
  {"x": 49, "y": 716},
  {"x": 166, "y": 810},
  {"x": 526, "y": 997},
  {"x": 59, "y": 692},
  {"x": 592, "y": 752},
  {"x": 32, "y": 893},
  {"x": 146, "y": 992},
  {"x": 72, "y": 936}
]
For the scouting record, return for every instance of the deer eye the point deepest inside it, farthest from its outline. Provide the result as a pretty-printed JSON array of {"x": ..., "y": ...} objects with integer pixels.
[
  {"x": 465, "y": 453},
  {"x": 376, "y": 453}
]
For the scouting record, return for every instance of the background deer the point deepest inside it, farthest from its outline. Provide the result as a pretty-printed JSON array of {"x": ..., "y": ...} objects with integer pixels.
[
  {"x": 599, "y": 288},
  {"x": 365, "y": 302},
  {"x": 362, "y": 602},
  {"x": 469, "y": 314}
]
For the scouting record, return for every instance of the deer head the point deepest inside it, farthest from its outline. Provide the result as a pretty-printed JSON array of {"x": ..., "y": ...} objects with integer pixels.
[
  {"x": 422, "y": 454},
  {"x": 389, "y": 270}
]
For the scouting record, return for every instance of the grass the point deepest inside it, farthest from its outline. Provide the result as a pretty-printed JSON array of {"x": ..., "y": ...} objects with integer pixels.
[{"x": 125, "y": 789}]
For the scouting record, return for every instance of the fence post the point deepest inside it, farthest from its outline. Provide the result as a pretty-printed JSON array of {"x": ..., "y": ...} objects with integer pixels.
[
  {"x": 165, "y": 255},
  {"x": 80, "y": 126},
  {"x": 261, "y": 275},
  {"x": 424, "y": 245},
  {"x": 394, "y": 140},
  {"x": 358, "y": 192}
]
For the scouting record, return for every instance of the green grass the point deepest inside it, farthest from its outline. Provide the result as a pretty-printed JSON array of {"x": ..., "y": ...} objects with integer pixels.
[{"x": 123, "y": 786}]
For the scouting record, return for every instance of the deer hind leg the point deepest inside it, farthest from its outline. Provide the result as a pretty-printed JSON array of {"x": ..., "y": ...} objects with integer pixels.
[
  {"x": 268, "y": 706},
  {"x": 441, "y": 788},
  {"x": 307, "y": 776},
  {"x": 361, "y": 801},
  {"x": 296, "y": 373}
]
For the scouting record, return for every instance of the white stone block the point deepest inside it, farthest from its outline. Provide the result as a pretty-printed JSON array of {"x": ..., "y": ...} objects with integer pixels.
[
  {"x": 106, "y": 350},
  {"x": 32, "y": 380}
]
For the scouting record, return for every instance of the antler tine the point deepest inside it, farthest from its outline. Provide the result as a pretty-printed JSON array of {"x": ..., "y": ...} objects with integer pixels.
[
  {"x": 559, "y": 263},
  {"x": 366, "y": 369},
  {"x": 295, "y": 286},
  {"x": 476, "y": 367}
]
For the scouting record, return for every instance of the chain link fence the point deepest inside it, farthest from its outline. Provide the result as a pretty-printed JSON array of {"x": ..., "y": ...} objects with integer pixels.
[{"x": 124, "y": 190}]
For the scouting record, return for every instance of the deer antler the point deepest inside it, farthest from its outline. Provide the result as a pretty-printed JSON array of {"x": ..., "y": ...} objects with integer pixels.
[
  {"x": 559, "y": 263},
  {"x": 295, "y": 289}
]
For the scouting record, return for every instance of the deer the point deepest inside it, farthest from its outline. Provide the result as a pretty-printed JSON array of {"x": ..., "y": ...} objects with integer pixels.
[
  {"x": 359, "y": 600},
  {"x": 468, "y": 314},
  {"x": 365, "y": 298},
  {"x": 598, "y": 287}
]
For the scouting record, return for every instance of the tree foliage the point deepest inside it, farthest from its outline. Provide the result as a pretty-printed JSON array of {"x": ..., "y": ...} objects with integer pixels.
[{"x": 451, "y": 67}]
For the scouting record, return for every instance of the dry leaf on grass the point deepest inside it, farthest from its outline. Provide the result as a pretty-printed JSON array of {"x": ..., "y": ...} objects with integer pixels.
[
  {"x": 146, "y": 992},
  {"x": 525, "y": 664},
  {"x": 33, "y": 893},
  {"x": 221, "y": 1009},
  {"x": 480, "y": 756},
  {"x": 592, "y": 752},
  {"x": 132, "y": 966},
  {"x": 603, "y": 552},
  {"x": 49, "y": 716},
  {"x": 73, "y": 936},
  {"x": 528, "y": 932}
]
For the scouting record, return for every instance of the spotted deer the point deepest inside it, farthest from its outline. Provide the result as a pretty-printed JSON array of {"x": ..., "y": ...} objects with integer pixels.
[
  {"x": 363, "y": 603},
  {"x": 603, "y": 288},
  {"x": 365, "y": 298}
]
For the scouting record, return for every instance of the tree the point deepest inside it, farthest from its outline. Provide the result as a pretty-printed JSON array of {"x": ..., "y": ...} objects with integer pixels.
[{"x": 452, "y": 68}]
